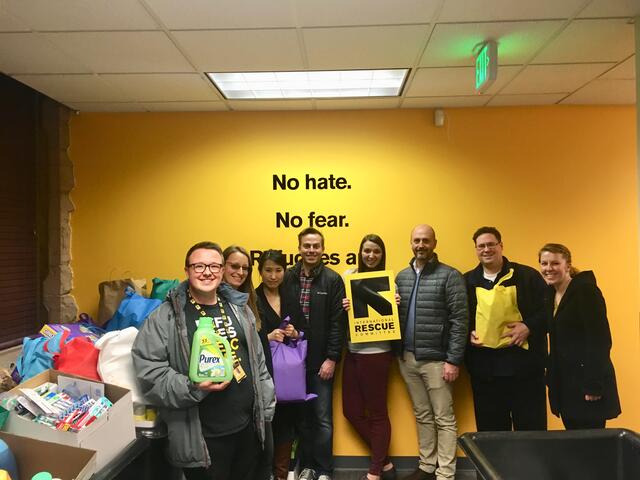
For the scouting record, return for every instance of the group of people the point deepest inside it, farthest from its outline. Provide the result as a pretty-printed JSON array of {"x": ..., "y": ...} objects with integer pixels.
[{"x": 236, "y": 430}]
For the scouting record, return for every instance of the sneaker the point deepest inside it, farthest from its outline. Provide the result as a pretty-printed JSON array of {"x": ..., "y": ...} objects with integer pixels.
[
  {"x": 420, "y": 475},
  {"x": 324, "y": 477},
  {"x": 390, "y": 474},
  {"x": 307, "y": 474}
]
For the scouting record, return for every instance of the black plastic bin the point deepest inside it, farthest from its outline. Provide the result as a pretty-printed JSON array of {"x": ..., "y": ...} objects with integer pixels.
[{"x": 608, "y": 454}]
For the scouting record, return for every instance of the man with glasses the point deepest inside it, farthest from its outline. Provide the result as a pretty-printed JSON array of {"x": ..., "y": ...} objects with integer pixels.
[
  {"x": 320, "y": 291},
  {"x": 215, "y": 429},
  {"x": 507, "y": 382}
]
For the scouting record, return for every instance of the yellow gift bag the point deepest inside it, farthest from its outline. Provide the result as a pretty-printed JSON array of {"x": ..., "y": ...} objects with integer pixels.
[{"x": 497, "y": 308}]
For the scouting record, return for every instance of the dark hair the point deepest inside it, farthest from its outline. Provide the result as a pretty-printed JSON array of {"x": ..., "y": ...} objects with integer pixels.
[
  {"x": 372, "y": 237},
  {"x": 247, "y": 285},
  {"x": 310, "y": 231},
  {"x": 562, "y": 250},
  {"x": 199, "y": 245},
  {"x": 276, "y": 256},
  {"x": 492, "y": 230}
]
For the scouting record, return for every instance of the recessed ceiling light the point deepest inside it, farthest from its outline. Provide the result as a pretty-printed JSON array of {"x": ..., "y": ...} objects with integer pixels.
[{"x": 313, "y": 84}]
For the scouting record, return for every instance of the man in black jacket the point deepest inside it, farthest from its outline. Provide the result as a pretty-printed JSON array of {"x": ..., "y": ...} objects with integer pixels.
[
  {"x": 508, "y": 383},
  {"x": 320, "y": 291}
]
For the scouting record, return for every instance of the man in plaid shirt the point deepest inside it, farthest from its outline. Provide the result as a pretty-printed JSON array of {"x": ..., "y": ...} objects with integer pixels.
[{"x": 320, "y": 291}]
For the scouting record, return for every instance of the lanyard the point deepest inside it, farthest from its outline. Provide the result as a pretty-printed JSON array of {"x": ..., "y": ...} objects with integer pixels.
[
  {"x": 202, "y": 313},
  {"x": 238, "y": 372}
]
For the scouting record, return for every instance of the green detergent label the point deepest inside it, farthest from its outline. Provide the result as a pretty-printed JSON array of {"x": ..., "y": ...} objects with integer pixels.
[{"x": 210, "y": 363}]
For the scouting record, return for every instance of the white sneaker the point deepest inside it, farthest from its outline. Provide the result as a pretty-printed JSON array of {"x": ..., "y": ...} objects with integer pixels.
[
  {"x": 324, "y": 477},
  {"x": 308, "y": 474}
]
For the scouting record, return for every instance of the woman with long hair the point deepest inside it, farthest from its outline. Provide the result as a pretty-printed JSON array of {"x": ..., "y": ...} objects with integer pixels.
[
  {"x": 275, "y": 306},
  {"x": 365, "y": 377},
  {"x": 581, "y": 378},
  {"x": 237, "y": 274}
]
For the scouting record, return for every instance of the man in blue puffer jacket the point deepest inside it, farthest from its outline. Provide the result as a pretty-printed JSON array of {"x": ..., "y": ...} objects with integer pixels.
[{"x": 434, "y": 323}]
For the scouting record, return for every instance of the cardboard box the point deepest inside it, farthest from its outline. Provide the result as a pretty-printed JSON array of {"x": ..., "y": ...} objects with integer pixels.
[
  {"x": 108, "y": 435},
  {"x": 64, "y": 462}
]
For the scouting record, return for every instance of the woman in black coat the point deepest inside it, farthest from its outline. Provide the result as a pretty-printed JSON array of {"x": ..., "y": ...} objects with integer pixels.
[
  {"x": 275, "y": 305},
  {"x": 581, "y": 378}
]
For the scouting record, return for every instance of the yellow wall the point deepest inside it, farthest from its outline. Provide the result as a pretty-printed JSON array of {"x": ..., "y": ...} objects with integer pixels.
[{"x": 150, "y": 185}]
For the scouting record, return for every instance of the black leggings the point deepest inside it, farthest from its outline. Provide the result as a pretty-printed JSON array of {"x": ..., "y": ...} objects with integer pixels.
[{"x": 233, "y": 457}]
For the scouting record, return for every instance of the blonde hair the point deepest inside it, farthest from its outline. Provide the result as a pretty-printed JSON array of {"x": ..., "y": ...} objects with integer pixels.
[{"x": 562, "y": 250}]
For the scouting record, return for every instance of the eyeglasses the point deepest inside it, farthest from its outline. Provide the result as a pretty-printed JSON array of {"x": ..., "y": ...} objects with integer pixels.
[
  {"x": 237, "y": 266},
  {"x": 201, "y": 267},
  {"x": 488, "y": 246}
]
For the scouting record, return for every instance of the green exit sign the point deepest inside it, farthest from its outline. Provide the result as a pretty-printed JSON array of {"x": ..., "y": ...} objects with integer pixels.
[{"x": 486, "y": 66}]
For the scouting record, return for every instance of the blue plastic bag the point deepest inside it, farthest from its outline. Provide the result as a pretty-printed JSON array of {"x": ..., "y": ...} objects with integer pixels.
[
  {"x": 132, "y": 312},
  {"x": 37, "y": 355}
]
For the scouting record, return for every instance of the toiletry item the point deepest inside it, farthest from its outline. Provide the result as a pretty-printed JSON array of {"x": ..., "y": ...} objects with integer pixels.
[
  {"x": 210, "y": 354},
  {"x": 8, "y": 461}
]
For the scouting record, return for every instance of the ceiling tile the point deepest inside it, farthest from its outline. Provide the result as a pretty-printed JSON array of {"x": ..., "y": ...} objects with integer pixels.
[
  {"x": 357, "y": 103},
  {"x": 65, "y": 15},
  {"x": 605, "y": 92},
  {"x": 612, "y": 8},
  {"x": 9, "y": 23},
  {"x": 75, "y": 88},
  {"x": 488, "y": 10},
  {"x": 121, "y": 52},
  {"x": 158, "y": 87},
  {"x": 512, "y": 100},
  {"x": 590, "y": 41},
  {"x": 442, "y": 102},
  {"x": 455, "y": 81},
  {"x": 242, "y": 50},
  {"x": 452, "y": 45},
  {"x": 186, "y": 106},
  {"x": 363, "y": 47},
  {"x": 312, "y": 13},
  {"x": 271, "y": 105},
  {"x": 625, "y": 71},
  {"x": 554, "y": 78},
  {"x": 107, "y": 106},
  {"x": 211, "y": 14},
  {"x": 33, "y": 53}
]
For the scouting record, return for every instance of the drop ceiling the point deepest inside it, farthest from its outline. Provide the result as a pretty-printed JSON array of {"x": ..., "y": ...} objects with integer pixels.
[{"x": 152, "y": 55}]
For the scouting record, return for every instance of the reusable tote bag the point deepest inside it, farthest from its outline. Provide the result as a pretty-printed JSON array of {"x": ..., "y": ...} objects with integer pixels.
[
  {"x": 496, "y": 309},
  {"x": 289, "y": 372},
  {"x": 132, "y": 312},
  {"x": 112, "y": 293}
]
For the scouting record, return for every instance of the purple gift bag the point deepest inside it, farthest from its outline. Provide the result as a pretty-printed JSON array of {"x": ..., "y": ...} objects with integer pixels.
[{"x": 289, "y": 372}]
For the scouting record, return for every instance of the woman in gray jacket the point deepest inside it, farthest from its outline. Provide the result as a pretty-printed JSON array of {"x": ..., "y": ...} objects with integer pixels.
[{"x": 215, "y": 429}]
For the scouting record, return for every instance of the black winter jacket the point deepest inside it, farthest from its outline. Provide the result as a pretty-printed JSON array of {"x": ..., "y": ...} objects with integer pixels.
[
  {"x": 511, "y": 361},
  {"x": 580, "y": 343},
  {"x": 441, "y": 311},
  {"x": 326, "y": 328}
]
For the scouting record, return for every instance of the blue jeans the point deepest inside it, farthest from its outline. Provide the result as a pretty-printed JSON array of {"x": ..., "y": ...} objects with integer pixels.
[{"x": 316, "y": 431}]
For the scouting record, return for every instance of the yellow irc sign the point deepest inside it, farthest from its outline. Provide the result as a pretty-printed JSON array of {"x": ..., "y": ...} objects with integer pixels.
[{"x": 373, "y": 315}]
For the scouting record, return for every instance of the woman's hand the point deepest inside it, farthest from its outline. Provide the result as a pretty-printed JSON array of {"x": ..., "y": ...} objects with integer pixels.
[
  {"x": 398, "y": 298},
  {"x": 277, "y": 335},
  {"x": 291, "y": 332},
  {"x": 346, "y": 304}
]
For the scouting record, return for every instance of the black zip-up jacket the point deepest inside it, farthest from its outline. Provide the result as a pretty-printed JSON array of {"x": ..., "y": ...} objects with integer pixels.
[
  {"x": 511, "y": 361},
  {"x": 327, "y": 318}
]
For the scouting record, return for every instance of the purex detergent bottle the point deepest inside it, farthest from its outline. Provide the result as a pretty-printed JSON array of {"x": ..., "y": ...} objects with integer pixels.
[{"x": 210, "y": 355}]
